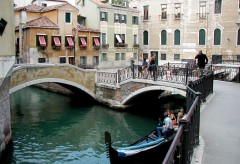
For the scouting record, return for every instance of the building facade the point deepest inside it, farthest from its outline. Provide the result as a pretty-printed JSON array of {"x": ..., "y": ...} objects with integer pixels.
[
  {"x": 51, "y": 34},
  {"x": 119, "y": 30},
  {"x": 176, "y": 30}
]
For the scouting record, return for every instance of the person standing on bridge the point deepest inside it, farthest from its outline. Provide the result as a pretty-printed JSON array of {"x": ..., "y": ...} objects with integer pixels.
[{"x": 202, "y": 60}]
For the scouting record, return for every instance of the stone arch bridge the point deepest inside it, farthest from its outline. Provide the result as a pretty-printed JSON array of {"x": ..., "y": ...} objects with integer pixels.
[{"x": 91, "y": 82}]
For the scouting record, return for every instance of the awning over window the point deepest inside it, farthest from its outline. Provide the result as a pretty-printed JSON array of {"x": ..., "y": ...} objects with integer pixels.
[
  {"x": 119, "y": 38},
  {"x": 56, "y": 41},
  {"x": 42, "y": 41},
  {"x": 70, "y": 41},
  {"x": 96, "y": 42},
  {"x": 83, "y": 42}
]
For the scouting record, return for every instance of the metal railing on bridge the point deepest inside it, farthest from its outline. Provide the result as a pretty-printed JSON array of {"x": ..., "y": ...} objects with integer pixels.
[
  {"x": 187, "y": 137},
  {"x": 179, "y": 73}
]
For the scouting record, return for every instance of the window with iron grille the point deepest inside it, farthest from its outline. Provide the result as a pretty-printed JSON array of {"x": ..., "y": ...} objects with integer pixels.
[
  {"x": 176, "y": 57},
  {"x": 202, "y": 10},
  {"x": 145, "y": 12},
  {"x": 163, "y": 57},
  {"x": 177, "y": 10},
  {"x": 164, "y": 11}
]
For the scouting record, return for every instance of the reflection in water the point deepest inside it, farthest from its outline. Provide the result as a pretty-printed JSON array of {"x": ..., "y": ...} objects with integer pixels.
[{"x": 49, "y": 128}]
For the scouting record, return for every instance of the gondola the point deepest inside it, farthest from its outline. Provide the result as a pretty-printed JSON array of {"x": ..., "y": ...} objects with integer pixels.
[{"x": 148, "y": 149}]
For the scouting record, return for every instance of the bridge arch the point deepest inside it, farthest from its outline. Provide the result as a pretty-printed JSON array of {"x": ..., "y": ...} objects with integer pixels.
[
  {"x": 27, "y": 75},
  {"x": 51, "y": 80},
  {"x": 153, "y": 88}
]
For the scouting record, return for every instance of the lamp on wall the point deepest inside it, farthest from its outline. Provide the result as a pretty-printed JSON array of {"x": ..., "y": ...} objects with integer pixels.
[{"x": 3, "y": 24}]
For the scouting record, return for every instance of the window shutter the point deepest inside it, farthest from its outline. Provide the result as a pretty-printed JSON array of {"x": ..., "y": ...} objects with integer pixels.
[
  {"x": 164, "y": 37},
  {"x": 202, "y": 37}
]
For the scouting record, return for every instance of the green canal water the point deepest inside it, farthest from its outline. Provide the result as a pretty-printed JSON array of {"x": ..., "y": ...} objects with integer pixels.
[{"x": 49, "y": 128}]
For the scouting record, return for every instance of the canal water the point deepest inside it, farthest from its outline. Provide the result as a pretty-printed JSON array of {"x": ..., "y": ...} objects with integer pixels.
[{"x": 51, "y": 128}]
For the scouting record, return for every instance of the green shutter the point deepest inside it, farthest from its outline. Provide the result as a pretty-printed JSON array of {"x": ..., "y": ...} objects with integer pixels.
[
  {"x": 177, "y": 37},
  {"x": 68, "y": 17},
  {"x": 238, "y": 38},
  {"x": 163, "y": 37},
  {"x": 202, "y": 37},
  {"x": 37, "y": 40},
  {"x": 217, "y": 36},
  {"x": 145, "y": 38}
]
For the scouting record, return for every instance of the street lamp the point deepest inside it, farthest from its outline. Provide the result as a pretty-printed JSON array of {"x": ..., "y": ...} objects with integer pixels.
[{"x": 74, "y": 31}]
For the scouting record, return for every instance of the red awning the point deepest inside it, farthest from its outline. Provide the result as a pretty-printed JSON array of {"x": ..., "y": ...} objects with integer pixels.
[
  {"x": 70, "y": 41},
  {"x": 57, "y": 41},
  {"x": 83, "y": 42},
  {"x": 96, "y": 42},
  {"x": 42, "y": 41}
]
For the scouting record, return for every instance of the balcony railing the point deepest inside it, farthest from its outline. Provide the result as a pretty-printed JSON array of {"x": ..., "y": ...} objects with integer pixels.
[{"x": 121, "y": 45}]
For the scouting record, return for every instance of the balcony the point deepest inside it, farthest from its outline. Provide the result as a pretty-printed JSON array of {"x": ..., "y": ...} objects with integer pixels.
[
  {"x": 136, "y": 45},
  {"x": 120, "y": 45},
  {"x": 105, "y": 46}
]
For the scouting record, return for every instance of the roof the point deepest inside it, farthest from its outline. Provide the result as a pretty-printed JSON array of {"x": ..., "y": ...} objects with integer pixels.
[
  {"x": 42, "y": 22},
  {"x": 84, "y": 28},
  {"x": 36, "y": 8},
  {"x": 107, "y": 5}
]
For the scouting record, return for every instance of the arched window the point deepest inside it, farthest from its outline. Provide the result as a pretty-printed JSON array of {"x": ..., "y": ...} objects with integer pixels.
[
  {"x": 164, "y": 37},
  {"x": 217, "y": 37},
  {"x": 202, "y": 38},
  {"x": 177, "y": 37},
  {"x": 145, "y": 38},
  {"x": 238, "y": 37}
]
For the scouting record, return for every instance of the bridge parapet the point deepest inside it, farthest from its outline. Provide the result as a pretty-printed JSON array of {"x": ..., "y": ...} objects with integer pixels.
[{"x": 26, "y": 75}]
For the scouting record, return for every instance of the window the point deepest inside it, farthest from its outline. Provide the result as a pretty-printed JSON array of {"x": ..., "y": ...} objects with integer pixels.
[
  {"x": 238, "y": 4},
  {"x": 123, "y": 57},
  {"x": 163, "y": 57},
  {"x": 96, "y": 41},
  {"x": 116, "y": 18},
  {"x": 164, "y": 11},
  {"x": 119, "y": 40},
  {"x": 176, "y": 57},
  {"x": 95, "y": 60},
  {"x": 123, "y": 18},
  {"x": 145, "y": 12},
  {"x": 202, "y": 10},
  {"x": 41, "y": 40},
  {"x": 117, "y": 56},
  {"x": 163, "y": 37},
  {"x": 202, "y": 37},
  {"x": 135, "y": 56},
  {"x": 62, "y": 59},
  {"x": 104, "y": 38},
  {"x": 82, "y": 40},
  {"x": 103, "y": 16},
  {"x": 177, "y": 37},
  {"x": 83, "y": 60},
  {"x": 135, "y": 20},
  {"x": 134, "y": 39},
  {"x": 41, "y": 60},
  {"x": 56, "y": 41},
  {"x": 104, "y": 56},
  {"x": 69, "y": 42},
  {"x": 81, "y": 20},
  {"x": 177, "y": 10},
  {"x": 218, "y": 6},
  {"x": 145, "y": 38},
  {"x": 67, "y": 17},
  {"x": 217, "y": 36},
  {"x": 238, "y": 37},
  {"x": 44, "y": 4}
]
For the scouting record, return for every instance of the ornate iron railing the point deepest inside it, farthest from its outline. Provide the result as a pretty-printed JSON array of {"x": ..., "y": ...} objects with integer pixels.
[
  {"x": 187, "y": 137},
  {"x": 227, "y": 73}
]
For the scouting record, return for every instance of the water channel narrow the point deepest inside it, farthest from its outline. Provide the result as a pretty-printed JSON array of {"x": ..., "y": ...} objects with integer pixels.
[{"x": 50, "y": 128}]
